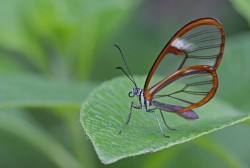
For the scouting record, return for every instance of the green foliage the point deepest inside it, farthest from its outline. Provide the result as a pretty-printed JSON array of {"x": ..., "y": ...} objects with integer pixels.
[
  {"x": 58, "y": 41},
  {"x": 233, "y": 71},
  {"x": 242, "y": 6},
  {"x": 58, "y": 37},
  {"x": 24, "y": 127},
  {"x": 105, "y": 111},
  {"x": 31, "y": 91}
]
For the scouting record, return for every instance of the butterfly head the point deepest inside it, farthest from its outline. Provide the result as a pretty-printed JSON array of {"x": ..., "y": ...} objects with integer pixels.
[{"x": 135, "y": 92}]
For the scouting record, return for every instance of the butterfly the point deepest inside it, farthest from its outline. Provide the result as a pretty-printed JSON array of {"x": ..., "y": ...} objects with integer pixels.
[{"x": 191, "y": 58}]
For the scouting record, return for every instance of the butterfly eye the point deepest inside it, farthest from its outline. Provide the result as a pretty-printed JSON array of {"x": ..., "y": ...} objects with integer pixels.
[{"x": 130, "y": 94}]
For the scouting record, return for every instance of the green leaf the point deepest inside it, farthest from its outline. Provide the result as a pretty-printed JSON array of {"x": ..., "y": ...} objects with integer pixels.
[
  {"x": 105, "y": 111},
  {"x": 31, "y": 91},
  {"x": 233, "y": 71},
  {"x": 59, "y": 37},
  {"x": 228, "y": 157},
  {"x": 242, "y": 6},
  {"x": 21, "y": 125}
]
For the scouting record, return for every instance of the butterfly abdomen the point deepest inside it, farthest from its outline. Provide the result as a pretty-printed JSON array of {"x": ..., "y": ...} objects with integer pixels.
[{"x": 190, "y": 114}]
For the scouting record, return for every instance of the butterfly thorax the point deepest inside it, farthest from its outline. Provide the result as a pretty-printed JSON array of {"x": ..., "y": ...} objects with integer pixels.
[{"x": 144, "y": 102}]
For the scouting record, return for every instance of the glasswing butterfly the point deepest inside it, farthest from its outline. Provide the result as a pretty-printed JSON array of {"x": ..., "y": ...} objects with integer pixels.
[{"x": 192, "y": 56}]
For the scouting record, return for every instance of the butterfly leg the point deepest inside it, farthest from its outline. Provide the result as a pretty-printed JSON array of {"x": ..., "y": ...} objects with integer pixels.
[
  {"x": 151, "y": 110},
  {"x": 129, "y": 116},
  {"x": 165, "y": 122},
  {"x": 159, "y": 124}
]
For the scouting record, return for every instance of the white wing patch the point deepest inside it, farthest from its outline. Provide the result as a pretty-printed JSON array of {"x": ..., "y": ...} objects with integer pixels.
[{"x": 182, "y": 44}]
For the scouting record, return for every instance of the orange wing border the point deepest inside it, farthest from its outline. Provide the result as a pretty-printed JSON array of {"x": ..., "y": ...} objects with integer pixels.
[
  {"x": 209, "y": 96},
  {"x": 183, "y": 30}
]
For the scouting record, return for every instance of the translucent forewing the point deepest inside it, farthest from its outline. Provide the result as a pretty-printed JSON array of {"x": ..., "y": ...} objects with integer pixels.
[{"x": 198, "y": 44}]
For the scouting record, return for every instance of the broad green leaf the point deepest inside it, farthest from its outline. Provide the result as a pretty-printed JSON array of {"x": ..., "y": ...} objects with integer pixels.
[
  {"x": 105, "y": 111},
  {"x": 31, "y": 91}
]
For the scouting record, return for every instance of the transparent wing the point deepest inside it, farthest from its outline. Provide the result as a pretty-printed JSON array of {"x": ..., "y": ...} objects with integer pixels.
[
  {"x": 186, "y": 89},
  {"x": 200, "y": 42}
]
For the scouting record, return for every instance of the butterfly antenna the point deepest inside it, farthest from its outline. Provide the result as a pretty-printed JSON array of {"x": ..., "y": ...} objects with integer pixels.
[{"x": 131, "y": 76}]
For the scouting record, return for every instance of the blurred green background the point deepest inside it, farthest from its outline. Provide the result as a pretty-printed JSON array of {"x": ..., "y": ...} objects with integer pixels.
[{"x": 54, "y": 52}]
